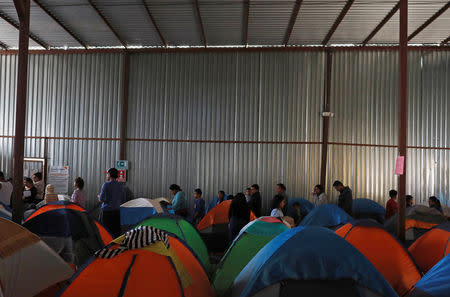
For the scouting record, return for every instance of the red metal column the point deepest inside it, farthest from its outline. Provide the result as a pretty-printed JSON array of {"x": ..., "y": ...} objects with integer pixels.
[
  {"x": 23, "y": 11},
  {"x": 124, "y": 120},
  {"x": 326, "y": 121},
  {"x": 402, "y": 113}
]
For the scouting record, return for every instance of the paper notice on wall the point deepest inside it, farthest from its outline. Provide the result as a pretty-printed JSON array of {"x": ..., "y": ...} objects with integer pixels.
[
  {"x": 400, "y": 165},
  {"x": 58, "y": 176}
]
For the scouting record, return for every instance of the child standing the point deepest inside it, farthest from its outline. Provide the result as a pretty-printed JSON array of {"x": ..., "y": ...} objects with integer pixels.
[{"x": 199, "y": 206}]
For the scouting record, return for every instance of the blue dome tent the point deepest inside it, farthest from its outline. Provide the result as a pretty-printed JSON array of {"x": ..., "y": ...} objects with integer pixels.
[
  {"x": 326, "y": 215},
  {"x": 311, "y": 261}
]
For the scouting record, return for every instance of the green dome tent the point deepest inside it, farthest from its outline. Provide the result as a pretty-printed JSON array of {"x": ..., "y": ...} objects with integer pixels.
[
  {"x": 254, "y": 236},
  {"x": 183, "y": 230}
]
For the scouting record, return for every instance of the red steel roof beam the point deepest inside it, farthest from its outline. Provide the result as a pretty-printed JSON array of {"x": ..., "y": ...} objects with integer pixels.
[
  {"x": 32, "y": 36},
  {"x": 246, "y": 17},
  {"x": 197, "y": 8},
  {"x": 445, "y": 41},
  {"x": 163, "y": 41},
  {"x": 107, "y": 23},
  {"x": 338, "y": 21},
  {"x": 429, "y": 21},
  {"x": 70, "y": 32},
  {"x": 298, "y": 4},
  {"x": 382, "y": 23}
]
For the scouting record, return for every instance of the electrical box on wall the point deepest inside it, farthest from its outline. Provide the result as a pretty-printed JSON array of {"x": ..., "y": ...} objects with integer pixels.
[{"x": 327, "y": 114}]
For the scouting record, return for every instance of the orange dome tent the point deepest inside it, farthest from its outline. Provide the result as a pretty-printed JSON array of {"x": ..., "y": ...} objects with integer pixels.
[
  {"x": 144, "y": 261},
  {"x": 55, "y": 205},
  {"x": 384, "y": 252},
  {"x": 431, "y": 247},
  {"x": 218, "y": 216},
  {"x": 419, "y": 219},
  {"x": 69, "y": 230},
  {"x": 214, "y": 227}
]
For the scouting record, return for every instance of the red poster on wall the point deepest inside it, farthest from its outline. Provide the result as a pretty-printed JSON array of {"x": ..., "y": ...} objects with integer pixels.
[{"x": 122, "y": 176}]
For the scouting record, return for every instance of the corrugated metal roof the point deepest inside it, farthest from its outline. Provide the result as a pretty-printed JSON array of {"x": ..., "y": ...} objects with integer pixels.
[
  {"x": 83, "y": 20},
  {"x": 315, "y": 20},
  {"x": 224, "y": 22},
  {"x": 358, "y": 24},
  {"x": 8, "y": 34},
  {"x": 419, "y": 11},
  {"x": 130, "y": 20},
  {"x": 437, "y": 31},
  {"x": 268, "y": 21},
  {"x": 177, "y": 21}
]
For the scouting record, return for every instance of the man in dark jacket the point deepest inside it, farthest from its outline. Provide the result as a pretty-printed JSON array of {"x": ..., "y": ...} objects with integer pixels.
[
  {"x": 345, "y": 197},
  {"x": 255, "y": 202}
]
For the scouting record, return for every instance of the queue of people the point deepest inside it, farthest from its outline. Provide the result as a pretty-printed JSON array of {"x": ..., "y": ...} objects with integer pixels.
[{"x": 114, "y": 193}]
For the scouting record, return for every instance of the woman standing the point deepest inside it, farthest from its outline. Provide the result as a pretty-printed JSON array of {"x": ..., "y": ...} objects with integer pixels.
[
  {"x": 239, "y": 215},
  {"x": 319, "y": 195}
]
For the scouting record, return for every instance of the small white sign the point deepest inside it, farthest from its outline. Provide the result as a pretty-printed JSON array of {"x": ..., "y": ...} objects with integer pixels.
[{"x": 58, "y": 176}]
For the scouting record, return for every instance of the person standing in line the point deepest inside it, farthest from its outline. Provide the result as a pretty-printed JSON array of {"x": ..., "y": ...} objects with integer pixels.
[
  {"x": 409, "y": 201},
  {"x": 238, "y": 214},
  {"x": 78, "y": 195},
  {"x": 345, "y": 200},
  {"x": 255, "y": 202},
  {"x": 248, "y": 194},
  {"x": 281, "y": 190},
  {"x": 179, "y": 205},
  {"x": 278, "y": 203},
  {"x": 39, "y": 184},
  {"x": 112, "y": 195},
  {"x": 220, "y": 197},
  {"x": 199, "y": 206},
  {"x": 319, "y": 195},
  {"x": 6, "y": 189},
  {"x": 392, "y": 204}
]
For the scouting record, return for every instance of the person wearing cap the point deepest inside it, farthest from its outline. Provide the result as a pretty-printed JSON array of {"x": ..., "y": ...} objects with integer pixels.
[{"x": 112, "y": 195}]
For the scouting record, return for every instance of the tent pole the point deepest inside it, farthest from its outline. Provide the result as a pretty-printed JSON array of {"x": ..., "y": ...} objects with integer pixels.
[
  {"x": 402, "y": 114},
  {"x": 23, "y": 12}
]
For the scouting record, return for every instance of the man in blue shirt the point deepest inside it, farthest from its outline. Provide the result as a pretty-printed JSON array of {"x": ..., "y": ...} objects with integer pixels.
[
  {"x": 179, "y": 204},
  {"x": 112, "y": 196}
]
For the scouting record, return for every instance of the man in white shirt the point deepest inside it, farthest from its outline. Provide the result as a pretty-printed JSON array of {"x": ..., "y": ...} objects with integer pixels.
[{"x": 6, "y": 189}]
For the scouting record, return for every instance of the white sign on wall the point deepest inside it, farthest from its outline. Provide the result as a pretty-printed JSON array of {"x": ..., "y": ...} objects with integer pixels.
[{"x": 58, "y": 176}]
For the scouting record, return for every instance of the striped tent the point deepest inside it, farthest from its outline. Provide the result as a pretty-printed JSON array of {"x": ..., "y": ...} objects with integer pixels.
[
  {"x": 145, "y": 261},
  {"x": 27, "y": 265}
]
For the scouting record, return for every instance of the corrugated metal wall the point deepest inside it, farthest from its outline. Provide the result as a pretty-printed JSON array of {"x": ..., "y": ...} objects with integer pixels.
[
  {"x": 190, "y": 115},
  {"x": 364, "y": 100},
  {"x": 231, "y": 97},
  {"x": 71, "y": 96},
  {"x": 429, "y": 111}
]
